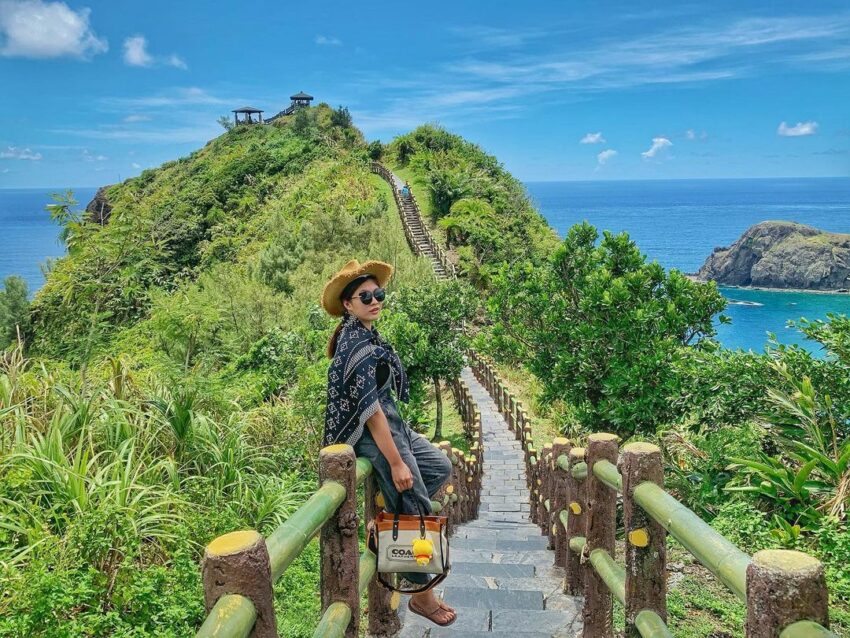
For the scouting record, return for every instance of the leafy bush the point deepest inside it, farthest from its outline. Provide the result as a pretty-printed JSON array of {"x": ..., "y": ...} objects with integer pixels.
[{"x": 602, "y": 328}]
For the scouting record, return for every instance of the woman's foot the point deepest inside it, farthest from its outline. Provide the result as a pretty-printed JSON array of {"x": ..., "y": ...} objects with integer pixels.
[{"x": 427, "y": 605}]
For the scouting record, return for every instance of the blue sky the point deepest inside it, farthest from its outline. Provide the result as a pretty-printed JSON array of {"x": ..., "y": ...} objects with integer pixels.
[{"x": 93, "y": 92}]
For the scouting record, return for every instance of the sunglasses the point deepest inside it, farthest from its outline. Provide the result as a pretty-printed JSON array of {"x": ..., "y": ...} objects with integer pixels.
[{"x": 366, "y": 296}]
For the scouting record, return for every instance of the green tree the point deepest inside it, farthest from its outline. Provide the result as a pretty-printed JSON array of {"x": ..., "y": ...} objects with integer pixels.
[
  {"x": 429, "y": 334},
  {"x": 601, "y": 328},
  {"x": 376, "y": 149},
  {"x": 341, "y": 117},
  {"x": 63, "y": 214},
  {"x": 14, "y": 309},
  {"x": 226, "y": 123}
]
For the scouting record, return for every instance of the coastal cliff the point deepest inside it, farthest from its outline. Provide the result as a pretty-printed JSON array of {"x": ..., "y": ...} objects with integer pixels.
[{"x": 778, "y": 254}]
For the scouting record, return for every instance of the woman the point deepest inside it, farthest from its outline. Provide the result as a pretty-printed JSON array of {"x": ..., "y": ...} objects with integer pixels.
[{"x": 362, "y": 412}]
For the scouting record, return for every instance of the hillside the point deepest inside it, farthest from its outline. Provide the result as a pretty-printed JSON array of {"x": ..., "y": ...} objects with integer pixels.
[{"x": 778, "y": 254}]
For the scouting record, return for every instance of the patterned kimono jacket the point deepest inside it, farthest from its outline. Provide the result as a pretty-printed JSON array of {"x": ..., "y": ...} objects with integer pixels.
[{"x": 352, "y": 383}]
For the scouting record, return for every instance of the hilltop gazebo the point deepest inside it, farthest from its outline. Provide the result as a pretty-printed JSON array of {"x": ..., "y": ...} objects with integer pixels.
[
  {"x": 300, "y": 99},
  {"x": 247, "y": 115}
]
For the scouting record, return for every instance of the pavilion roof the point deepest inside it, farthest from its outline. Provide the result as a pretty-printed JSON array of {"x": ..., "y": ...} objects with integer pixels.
[
  {"x": 301, "y": 96},
  {"x": 247, "y": 109}
]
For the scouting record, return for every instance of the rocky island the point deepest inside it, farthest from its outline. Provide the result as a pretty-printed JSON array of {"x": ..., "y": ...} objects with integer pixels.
[{"x": 779, "y": 254}]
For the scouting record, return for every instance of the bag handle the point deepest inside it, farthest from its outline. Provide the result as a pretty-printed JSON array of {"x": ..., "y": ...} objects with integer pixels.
[{"x": 398, "y": 512}]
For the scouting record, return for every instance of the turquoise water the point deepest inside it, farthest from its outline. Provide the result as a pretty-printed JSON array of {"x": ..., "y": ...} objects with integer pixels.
[
  {"x": 679, "y": 222},
  {"x": 676, "y": 222}
]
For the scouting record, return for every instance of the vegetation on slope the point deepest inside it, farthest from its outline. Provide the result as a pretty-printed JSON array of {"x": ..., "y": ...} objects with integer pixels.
[{"x": 172, "y": 384}]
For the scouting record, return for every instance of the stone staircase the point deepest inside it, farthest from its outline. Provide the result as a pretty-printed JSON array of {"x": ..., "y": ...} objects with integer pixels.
[
  {"x": 503, "y": 580},
  {"x": 420, "y": 234}
]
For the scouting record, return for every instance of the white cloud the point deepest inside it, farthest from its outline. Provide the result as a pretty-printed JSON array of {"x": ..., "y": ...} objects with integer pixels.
[
  {"x": 592, "y": 138},
  {"x": 691, "y": 134},
  {"x": 136, "y": 54},
  {"x": 37, "y": 29},
  {"x": 798, "y": 130},
  {"x": 13, "y": 152},
  {"x": 135, "y": 117},
  {"x": 658, "y": 144},
  {"x": 164, "y": 135},
  {"x": 324, "y": 40},
  {"x": 176, "y": 61},
  {"x": 173, "y": 97},
  {"x": 136, "y": 165},
  {"x": 89, "y": 157},
  {"x": 605, "y": 155},
  {"x": 136, "y": 51}
]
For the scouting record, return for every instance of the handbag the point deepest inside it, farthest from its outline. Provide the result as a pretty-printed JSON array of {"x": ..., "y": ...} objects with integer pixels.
[{"x": 392, "y": 537}]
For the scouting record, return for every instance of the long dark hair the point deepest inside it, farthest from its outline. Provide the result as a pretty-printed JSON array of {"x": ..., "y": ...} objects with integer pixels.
[{"x": 346, "y": 294}]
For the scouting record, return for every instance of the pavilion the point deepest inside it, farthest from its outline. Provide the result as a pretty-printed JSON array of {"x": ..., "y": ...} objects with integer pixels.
[{"x": 247, "y": 113}]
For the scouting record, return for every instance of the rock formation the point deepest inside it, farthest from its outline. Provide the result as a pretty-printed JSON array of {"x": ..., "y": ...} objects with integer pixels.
[
  {"x": 99, "y": 208},
  {"x": 778, "y": 254}
]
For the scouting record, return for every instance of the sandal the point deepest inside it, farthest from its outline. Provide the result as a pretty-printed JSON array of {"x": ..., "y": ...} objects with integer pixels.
[{"x": 421, "y": 612}]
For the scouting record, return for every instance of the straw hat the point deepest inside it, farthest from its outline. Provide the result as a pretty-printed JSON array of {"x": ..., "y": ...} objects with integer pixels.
[{"x": 351, "y": 271}]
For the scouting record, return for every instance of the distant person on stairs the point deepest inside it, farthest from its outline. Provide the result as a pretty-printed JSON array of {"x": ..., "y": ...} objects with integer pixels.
[
  {"x": 405, "y": 191},
  {"x": 364, "y": 373}
]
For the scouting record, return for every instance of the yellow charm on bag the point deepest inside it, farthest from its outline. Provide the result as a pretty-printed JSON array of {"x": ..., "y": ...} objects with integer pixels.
[{"x": 423, "y": 550}]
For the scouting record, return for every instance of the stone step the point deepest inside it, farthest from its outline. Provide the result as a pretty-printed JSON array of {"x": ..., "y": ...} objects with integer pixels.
[
  {"x": 500, "y": 622},
  {"x": 530, "y": 557},
  {"x": 548, "y": 622},
  {"x": 439, "y": 632},
  {"x": 468, "y": 619},
  {"x": 479, "y": 598},
  {"x": 550, "y": 585},
  {"x": 502, "y": 570},
  {"x": 498, "y": 544},
  {"x": 482, "y": 533}
]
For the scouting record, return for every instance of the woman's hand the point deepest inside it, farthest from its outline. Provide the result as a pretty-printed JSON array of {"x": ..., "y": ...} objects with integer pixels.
[{"x": 402, "y": 478}]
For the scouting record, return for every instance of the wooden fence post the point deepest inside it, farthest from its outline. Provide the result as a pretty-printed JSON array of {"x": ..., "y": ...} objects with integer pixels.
[
  {"x": 544, "y": 482},
  {"x": 460, "y": 485},
  {"x": 383, "y": 603},
  {"x": 577, "y": 505},
  {"x": 238, "y": 563},
  {"x": 598, "y": 611},
  {"x": 449, "y": 488},
  {"x": 784, "y": 586},
  {"x": 560, "y": 446},
  {"x": 340, "y": 554},
  {"x": 522, "y": 420},
  {"x": 646, "y": 549}
]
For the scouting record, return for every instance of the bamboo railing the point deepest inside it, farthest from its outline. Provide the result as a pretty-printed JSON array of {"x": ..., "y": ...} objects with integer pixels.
[
  {"x": 434, "y": 246},
  {"x": 574, "y": 497},
  {"x": 239, "y": 569}
]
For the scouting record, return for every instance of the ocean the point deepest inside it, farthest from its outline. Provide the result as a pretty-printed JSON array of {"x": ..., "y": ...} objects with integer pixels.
[
  {"x": 677, "y": 222},
  {"x": 29, "y": 236}
]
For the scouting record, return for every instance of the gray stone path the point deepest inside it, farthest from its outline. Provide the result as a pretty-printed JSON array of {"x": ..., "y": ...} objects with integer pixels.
[{"x": 502, "y": 580}]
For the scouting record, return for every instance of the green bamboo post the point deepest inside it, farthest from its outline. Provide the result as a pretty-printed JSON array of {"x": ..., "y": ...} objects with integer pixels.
[
  {"x": 383, "y": 617},
  {"x": 577, "y": 507},
  {"x": 238, "y": 563},
  {"x": 646, "y": 553},
  {"x": 560, "y": 448},
  {"x": 784, "y": 587},
  {"x": 598, "y": 611},
  {"x": 340, "y": 554}
]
